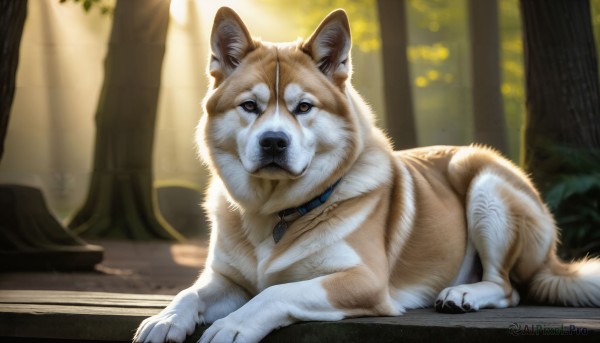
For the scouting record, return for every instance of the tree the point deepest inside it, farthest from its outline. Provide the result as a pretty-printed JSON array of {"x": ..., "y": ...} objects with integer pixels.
[
  {"x": 562, "y": 128},
  {"x": 488, "y": 109},
  {"x": 562, "y": 93},
  {"x": 30, "y": 237},
  {"x": 12, "y": 20},
  {"x": 121, "y": 201},
  {"x": 398, "y": 95}
]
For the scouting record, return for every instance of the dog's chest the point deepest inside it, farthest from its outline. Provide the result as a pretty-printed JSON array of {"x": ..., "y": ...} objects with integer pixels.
[
  {"x": 276, "y": 266},
  {"x": 289, "y": 268}
]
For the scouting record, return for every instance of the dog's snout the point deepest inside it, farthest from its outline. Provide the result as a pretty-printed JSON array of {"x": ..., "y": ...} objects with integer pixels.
[{"x": 274, "y": 141}]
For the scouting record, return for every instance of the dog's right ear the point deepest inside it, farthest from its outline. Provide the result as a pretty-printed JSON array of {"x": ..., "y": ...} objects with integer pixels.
[{"x": 230, "y": 42}]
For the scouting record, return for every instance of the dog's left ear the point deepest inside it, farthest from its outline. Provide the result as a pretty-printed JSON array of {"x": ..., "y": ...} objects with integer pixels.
[{"x": 329, "y": 46}]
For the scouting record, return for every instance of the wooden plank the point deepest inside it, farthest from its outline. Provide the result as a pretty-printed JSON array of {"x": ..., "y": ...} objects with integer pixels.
[
  {"x": 84, "y": 298},
  {"x": 94, "y": 316},
  {"x": 113, "y": 326},
  {"x": 80, "y": 316},
  {"x": 77, "y": 310}
]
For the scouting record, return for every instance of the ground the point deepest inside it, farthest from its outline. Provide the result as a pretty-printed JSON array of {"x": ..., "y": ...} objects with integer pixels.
[{"x": 156, "y": 267}]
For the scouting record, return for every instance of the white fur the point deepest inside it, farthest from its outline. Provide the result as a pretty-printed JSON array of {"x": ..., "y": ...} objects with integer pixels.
[
  {"x": 277, "y": 87},
  {"x": 488, "y": 220},
  {"x": 580, "y": 289},
  {"x": 276, "y": 306},
  {"x": 209, "y": 299},
  {"x": 408, "y": 298},
  {"x": 466, "y": 273},
  {"x": 476, "y": 296},
  {"x": 492, "y": 233},
  {"x": 338, "y": 256}
]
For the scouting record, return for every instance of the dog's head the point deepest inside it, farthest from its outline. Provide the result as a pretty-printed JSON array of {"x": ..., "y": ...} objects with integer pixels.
[{"x": 278, "y": 114}]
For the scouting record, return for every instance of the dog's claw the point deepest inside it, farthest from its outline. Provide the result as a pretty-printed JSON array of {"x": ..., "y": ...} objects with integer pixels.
[{"x": 449, "y": 307}]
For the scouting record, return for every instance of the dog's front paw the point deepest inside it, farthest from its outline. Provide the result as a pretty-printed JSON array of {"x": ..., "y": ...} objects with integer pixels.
[
  {"x": 228, "y": 330},
  {"x": 166, "y": 327},
  {"x": 173, "y": 323}
]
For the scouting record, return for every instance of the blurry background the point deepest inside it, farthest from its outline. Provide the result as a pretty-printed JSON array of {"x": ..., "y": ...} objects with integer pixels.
[{"x": 51, "y": 134}]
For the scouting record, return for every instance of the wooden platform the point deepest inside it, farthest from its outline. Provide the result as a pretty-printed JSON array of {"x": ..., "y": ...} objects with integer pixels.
[{"x": 58, "y": 316}]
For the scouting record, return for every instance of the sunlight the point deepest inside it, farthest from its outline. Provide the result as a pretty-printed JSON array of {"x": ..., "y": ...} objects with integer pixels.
[
  {"x": 210, "y": 7},
  {"x": 263, "y": 20},
  {"x": 178, "y": 10},
  {"x": 189, "y": 254}
]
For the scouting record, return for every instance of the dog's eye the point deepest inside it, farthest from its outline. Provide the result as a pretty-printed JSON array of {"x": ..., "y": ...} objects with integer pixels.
[
  {"x": 249, "y": 106},
  {"x": 303, "y": 107}
]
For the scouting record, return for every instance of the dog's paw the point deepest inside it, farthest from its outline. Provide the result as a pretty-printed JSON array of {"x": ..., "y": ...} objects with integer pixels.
[
  {"x": 166, "y": 327},
  {"x": 476, "y": 296},
  {"x": 455, "y": 300},
  {"x": 173, "y": 323},
  {"x": 228, "y": 330}
]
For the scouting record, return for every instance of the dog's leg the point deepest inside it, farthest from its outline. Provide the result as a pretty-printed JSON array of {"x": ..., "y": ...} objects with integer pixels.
[
  {"x": 284, "y": 304},
  {"x": 210, "y": 298},
  {"x": 494, "y": 235}
]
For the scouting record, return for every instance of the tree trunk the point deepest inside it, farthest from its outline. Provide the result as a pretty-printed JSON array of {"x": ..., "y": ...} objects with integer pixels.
[
  {"x": 563, "y": 108},
  {"x": 398, "y": 94},
  {"x": 121, "y": 201},
  {"x": 562, "y": 129},
  {"x": 12, "y": 20},
  {"x": 488, "y": 108},
  {"x": 30, "y": 236}
]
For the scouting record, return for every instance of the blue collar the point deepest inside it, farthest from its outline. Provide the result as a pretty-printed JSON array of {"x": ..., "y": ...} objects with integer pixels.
[{"x": 282, "y": 225}]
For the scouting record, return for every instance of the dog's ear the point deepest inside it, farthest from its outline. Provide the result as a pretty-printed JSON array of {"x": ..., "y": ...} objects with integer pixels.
[
  {"x": 329, "y": 46},
  {"x": 230, "y": 42}
]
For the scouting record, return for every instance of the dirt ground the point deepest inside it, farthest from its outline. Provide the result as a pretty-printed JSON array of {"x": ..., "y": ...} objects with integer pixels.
[{"x": 128, "y": 267}]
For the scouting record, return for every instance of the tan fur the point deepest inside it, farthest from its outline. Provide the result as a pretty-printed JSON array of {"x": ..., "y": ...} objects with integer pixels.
[
  {"x": 436, "y": 244},
  {"x": 366, "y": 284}
]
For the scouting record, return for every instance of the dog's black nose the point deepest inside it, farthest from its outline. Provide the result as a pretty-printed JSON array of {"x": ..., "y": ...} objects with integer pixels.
[{"x": 274, "y": 142}]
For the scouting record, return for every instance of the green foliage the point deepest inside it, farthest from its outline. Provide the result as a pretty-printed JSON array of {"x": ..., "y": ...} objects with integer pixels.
[
  {"x": 513, "y": 72},
  {"x": 105, "y": 6},
  {"x": 574, "y": 198},
  {"x": 436, "y": 34}
]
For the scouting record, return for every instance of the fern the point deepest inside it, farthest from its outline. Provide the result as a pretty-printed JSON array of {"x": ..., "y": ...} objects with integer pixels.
[{"x": 574, "y": 198}]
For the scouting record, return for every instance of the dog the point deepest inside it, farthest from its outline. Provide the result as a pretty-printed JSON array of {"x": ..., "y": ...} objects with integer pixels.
[{"x": 315, "y": 217}]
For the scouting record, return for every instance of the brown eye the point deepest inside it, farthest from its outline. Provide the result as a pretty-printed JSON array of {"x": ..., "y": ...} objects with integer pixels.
[
  {"x": 303, "y": 108},
  {"x": 249, "y": 106}
]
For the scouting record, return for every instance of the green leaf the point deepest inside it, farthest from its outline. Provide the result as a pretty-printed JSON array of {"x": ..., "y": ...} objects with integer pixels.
[{"x": 571, "y": 185}]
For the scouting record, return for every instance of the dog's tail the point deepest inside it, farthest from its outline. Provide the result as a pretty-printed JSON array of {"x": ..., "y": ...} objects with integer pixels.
[{"x": 567, "y": 284}]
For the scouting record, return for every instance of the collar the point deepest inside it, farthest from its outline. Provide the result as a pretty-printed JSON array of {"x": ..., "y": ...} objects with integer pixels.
[{"x": 282, "y": 225}]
